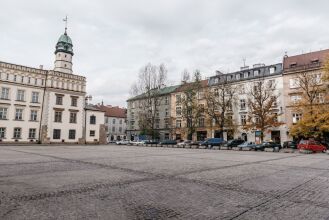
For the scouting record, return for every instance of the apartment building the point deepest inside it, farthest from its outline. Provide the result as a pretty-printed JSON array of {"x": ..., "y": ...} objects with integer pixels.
[
  {"x": 163, "y": 115},
  {"x": 310, "y": 64},
  {"x": 243, "y": 81}
]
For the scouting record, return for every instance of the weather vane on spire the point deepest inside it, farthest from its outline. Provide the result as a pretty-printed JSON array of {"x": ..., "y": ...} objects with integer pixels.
[{"x": 65, "y": 20}]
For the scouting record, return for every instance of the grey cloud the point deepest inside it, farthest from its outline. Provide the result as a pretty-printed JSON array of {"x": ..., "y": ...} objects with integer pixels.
[{"x": 114, "y": 39}]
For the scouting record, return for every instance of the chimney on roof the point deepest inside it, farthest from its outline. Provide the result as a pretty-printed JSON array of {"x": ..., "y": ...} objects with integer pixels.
[
  {"x": 218, "y": 72},
  {"x": 41, "y": 67}
]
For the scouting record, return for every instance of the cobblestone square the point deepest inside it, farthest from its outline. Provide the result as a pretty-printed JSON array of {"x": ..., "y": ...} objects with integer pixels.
[{"x": 129, "y": 182}]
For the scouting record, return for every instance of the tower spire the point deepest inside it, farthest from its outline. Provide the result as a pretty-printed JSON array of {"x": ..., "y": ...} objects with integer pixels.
[{"x": 65, "y": 20}]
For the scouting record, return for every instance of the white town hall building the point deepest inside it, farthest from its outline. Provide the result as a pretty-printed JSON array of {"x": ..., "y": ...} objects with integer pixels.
[{"x": 47, "y": 106}]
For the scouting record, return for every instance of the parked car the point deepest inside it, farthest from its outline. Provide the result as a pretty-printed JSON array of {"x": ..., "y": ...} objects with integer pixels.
[
  {"x": 123, "y": 142},
  {"x": 137, "y": 143},
  {"x": 168, "y": 142},
  {"x": 311, "y": 145},
  {"x": 212, "y": 142},
  {"x": 233, "y": 143},
  {"x": 183, "y": 143},
  {"x": 195, "y": 143},
  {"x": 290, "y": 144},
  {"x": 247, "y": 144},
  {"x": 151, "y": 142},
  {"x": 267, "y": 144}
]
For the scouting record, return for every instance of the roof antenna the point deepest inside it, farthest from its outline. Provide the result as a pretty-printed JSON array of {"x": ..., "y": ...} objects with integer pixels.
[
  {"x": 244, "y": 62},
  {"x": 65, "y": 20}
]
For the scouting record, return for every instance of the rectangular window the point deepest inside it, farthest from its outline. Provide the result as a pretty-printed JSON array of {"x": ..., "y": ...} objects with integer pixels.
[
  {"x": 178, "y": 99},
  {"x": 34, "y": 115},
  {"x": 17, "y": 133},
  {"x": 92, "y": 120},
  {"x": 166, "y": 100},
  {"x": 57, "y": 134},
  {"x": 3, "y": 113},
  {"x": 178, "y": 123},
  {"x": 178, "y": 111},
  {"x": 256, "y": 72},
  {"x": 59, "y": 100},
  {"x": 242, "y": 104},
  {"x": 200, "y": 95},
  {"x": 166, "y": 112},
  {"x": 19, "y": 114},
  {"x": 113, "y": 129},
  {"x": 20, "y": 95},
  {"x": 201, "y": 122},
  {"x": 113, "y": 121},
  {"x": 32, "y": 133},
  {"x": 120, "y": 129},
  {"x": 243, "y": 120},
  {"x": 294, "y": 83},
  {"x": 295, "y": 98},
  {"x": 74, "y": 101},
  {"x": 2, "y": 133},
  {"x": 5, "y": 93},
  {"x": 92, "y": 133},
  {"x": 58, "y": 116},
  {"x": 71, "y": 134},
  {"x": 73, "y": 117},
  {"x": 296, "y": 117},
  {"x": 120, "y": 122},
  {"x": 35, "y": 97}
]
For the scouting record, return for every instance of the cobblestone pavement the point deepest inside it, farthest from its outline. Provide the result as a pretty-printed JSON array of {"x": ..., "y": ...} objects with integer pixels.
[{"x": 128, "y": 182}]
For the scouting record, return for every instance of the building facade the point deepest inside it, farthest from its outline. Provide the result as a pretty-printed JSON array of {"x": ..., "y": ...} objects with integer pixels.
[
  {"x": 163, "y": 124},
  {"x": 115, "y": 122},
  {"x": 43, "y": 106},
  {"x": 244, "y": 80},
  {"x": 309, "y": 64}
]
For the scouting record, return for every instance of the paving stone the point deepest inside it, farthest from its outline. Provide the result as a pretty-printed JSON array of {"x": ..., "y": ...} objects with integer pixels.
[{"x": 130, "y": 182}]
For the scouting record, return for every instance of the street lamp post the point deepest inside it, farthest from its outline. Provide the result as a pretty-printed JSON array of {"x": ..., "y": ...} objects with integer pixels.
[{"x": 87, "y": 98}]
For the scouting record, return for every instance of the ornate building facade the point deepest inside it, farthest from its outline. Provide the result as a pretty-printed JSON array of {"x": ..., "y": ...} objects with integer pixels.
[{"x": 44, "y": 106}]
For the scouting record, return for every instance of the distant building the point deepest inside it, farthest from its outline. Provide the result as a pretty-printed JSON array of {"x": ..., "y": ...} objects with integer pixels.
[
  {"x": 115, "y": 122},
  {"x": 163, "y": 115}
]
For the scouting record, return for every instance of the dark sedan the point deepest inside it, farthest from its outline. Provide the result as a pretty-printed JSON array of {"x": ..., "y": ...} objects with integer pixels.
[
  {"x": 168, "y": 142},
  {"x": 264, "y": 145}
]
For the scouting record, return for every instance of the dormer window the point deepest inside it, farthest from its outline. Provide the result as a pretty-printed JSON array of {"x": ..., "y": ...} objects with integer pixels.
[
  {"x": 292, "y": 65},
  {"x": 272, "y": 69},
  {"x": 314, "y": 61}
]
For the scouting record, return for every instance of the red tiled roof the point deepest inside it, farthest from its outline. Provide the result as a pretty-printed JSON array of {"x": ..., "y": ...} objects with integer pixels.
[
  {"x": 306, "y": 59},
  {"x": 113, "y": 111}
]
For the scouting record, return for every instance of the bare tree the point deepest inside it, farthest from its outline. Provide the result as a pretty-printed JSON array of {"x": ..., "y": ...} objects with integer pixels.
[
  {"x": 220, "y": 100},
  {"x": 151, "y": 80},
  {"x": 191, "y": 110},
  {"x": 186, "y": 76},
  {"x": 261, "y": 102}
]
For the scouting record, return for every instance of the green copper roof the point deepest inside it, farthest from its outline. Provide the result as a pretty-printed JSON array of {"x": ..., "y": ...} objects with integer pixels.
[{"x": 64, "y": 44}]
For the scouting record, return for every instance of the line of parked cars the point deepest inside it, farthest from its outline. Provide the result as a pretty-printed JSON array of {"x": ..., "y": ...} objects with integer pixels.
[{"x": 309, "y": 145}]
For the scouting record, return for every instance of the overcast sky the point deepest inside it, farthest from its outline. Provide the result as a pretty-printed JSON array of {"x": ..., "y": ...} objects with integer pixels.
[{"x": 113, "y": 39}]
